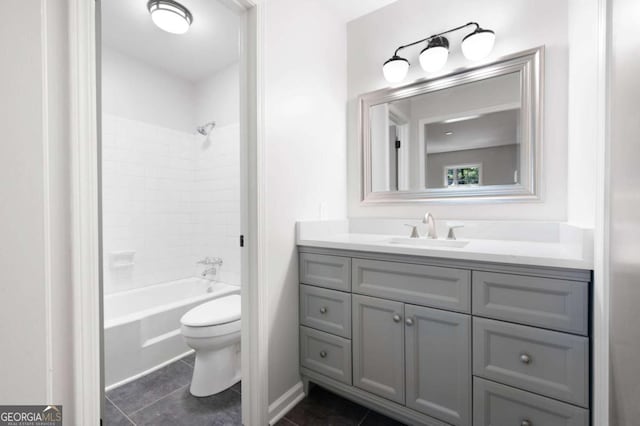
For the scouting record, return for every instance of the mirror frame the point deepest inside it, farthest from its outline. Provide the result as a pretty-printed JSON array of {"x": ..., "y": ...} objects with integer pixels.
[{"x": 530, "y": 65}]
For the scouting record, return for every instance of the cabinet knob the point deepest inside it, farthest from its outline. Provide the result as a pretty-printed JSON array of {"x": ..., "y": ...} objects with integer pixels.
[
  {"x": 526, "y": 422},
  {"x": 409, "y": 321},
  {"x": 323, "y": 354},
  {"x": 525, "y": 359},
  {"x": 323, "y": 310},
  {"x": 397, "y": 318}
]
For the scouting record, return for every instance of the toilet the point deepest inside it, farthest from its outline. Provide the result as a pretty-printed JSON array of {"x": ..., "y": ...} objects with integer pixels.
[{"x": 213, "y": 331}]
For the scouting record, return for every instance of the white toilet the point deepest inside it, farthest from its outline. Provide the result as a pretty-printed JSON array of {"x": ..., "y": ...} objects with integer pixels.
[{"x": 213, "y": 330}]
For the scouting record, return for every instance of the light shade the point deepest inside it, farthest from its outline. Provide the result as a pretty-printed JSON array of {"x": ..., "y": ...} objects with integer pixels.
[
  {"x": 478, "y": 44},
  {"x": 395, "y": 69},
  {"x": 435, "y": 55},
  {"x": 170, "y": 16}
]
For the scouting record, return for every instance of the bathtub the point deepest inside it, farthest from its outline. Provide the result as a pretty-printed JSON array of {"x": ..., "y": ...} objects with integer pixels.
[{"x": 142, "y": 326}]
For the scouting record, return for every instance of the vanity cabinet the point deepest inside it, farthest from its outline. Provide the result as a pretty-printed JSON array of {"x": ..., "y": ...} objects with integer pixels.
[
  {"x": 413, "y": 355},
  {"x": 435, "y": 342}
]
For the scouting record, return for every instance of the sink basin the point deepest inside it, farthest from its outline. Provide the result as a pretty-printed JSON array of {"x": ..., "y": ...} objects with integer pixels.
[{"x": 428, "y": 243}]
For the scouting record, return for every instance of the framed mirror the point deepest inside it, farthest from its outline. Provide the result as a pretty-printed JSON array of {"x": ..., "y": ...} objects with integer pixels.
[{"x": 475, "y": 134}]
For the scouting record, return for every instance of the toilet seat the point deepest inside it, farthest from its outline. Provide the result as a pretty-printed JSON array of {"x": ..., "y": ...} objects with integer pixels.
[{"x": 216, "y": 312}]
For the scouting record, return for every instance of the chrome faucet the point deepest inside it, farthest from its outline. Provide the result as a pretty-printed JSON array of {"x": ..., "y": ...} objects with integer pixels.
[
  {"x": 210, "y": 271},
  {"x": 213, "y": 264},
  {"x": 431, "y": 225}
]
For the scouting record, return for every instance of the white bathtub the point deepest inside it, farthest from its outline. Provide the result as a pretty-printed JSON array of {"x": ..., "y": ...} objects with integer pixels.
[{"x": 142, "y": 326}]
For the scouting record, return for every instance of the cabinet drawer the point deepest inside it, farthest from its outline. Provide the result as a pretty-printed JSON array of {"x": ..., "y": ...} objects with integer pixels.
[
  {"x": 546, "y": 362},
  {"x": 549, "y": 303},
  {"x": 326, "y": 271},
  {"x": 326, "y": 310},
  {"x": 431, "y": 286},
  {"x": 499, "y": 405},
  {"x": 325, "y": 353}
]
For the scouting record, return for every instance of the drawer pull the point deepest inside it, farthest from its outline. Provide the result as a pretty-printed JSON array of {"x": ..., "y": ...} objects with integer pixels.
[
  {"x": 323, "y": 310},
  {"x": 323, "y": 354},
  {"x": 397, "y": 318},
  {"x": 409, "y": 321},
  {"x": 526, "y": 422},
  {"x": 525, "y": 359}
]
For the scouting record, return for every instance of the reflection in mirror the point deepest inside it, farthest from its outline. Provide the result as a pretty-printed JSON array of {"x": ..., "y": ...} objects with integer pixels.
[
  {"x": 482, "y": 149},
  {"x": 463, "y": 135},
  {"x": 466, "y": 135}
]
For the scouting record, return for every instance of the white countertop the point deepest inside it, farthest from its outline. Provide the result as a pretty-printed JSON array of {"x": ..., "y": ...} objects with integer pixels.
[{"x": 563, "y": 251}]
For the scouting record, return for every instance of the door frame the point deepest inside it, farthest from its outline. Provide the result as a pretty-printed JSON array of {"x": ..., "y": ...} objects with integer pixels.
[{"x": 86, "y": 218}]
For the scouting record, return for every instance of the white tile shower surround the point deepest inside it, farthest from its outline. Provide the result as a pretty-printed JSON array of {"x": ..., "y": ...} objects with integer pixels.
[{"x": 173, "y": 198}]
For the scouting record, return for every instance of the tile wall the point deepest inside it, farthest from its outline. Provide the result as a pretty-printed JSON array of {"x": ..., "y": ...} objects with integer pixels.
[{"x": 170, "y": 198}]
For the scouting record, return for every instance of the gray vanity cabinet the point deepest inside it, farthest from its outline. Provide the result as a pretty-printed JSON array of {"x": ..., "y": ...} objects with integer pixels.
[
  {"x": 438, "y": 342},
  {"x": 413, "y": 355},
  {"x": 378, "y": 347},
  {"x": 438, "y": 363}
]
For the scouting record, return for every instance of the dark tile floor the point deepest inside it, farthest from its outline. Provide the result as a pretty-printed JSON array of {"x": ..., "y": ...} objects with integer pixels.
[
  {"x": 163, "y": 398},
  {"x": 323, "y": 408}
]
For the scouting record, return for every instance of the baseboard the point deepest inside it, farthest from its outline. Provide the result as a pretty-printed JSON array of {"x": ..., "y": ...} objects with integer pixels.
[{"x": 286, "y": 402}]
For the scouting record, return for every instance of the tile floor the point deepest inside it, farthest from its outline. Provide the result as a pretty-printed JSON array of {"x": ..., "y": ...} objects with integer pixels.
[
  {"x": 163, "y": 398},
  {"x": 323, "y": 408}
]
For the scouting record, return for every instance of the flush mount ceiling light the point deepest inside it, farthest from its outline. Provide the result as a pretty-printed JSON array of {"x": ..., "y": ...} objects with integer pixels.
[
  {"x": 170, "y": 16},
  {"x": 475, "y": 46}
]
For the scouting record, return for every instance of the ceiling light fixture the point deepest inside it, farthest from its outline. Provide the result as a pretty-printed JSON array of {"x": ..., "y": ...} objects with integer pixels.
[
  {"x": 170, "y": 16},
  {"x": 475, "y": 46}
]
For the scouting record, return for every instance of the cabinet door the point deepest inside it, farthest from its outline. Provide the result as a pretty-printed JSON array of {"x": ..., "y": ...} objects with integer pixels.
[
  {"x": 438, "y": 355},
  {"x": 378, "y": 347}
]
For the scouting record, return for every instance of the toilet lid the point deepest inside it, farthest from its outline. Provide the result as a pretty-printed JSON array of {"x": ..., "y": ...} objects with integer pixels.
[{"x": 218, "y": 311}]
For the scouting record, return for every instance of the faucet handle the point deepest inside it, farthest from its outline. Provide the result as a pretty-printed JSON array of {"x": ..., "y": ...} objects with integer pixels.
[
  {"x": 453, "y": 225},
  {"x": 414, "y": 231}
]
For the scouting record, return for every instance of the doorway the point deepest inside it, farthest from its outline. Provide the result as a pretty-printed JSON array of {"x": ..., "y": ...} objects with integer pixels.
[{"x": 173, "y": 206}]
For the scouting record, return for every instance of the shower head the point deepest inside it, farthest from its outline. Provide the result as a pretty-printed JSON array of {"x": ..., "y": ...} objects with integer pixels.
[{"x": 205, "y": 129}]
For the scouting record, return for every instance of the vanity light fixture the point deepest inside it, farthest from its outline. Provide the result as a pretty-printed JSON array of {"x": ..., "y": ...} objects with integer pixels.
[
  {"x": 475, "y": 46},
  {"x": 170, "y": 16},
  {"x": 395, "y": 69},
  {"x": 435, "y": 55}
]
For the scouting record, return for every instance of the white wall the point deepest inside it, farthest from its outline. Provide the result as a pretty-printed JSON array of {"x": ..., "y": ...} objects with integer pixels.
[
  {"x": 624, "y": 225},
  {"x": 583, "y": 111},
  {"x": 217, "y": 99},
  {"x": 518, "y": 25},
  {"x": 134, "y": 90},
  {"x": 305, "y": 96},
  {"x": 35, "y": 287}
]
